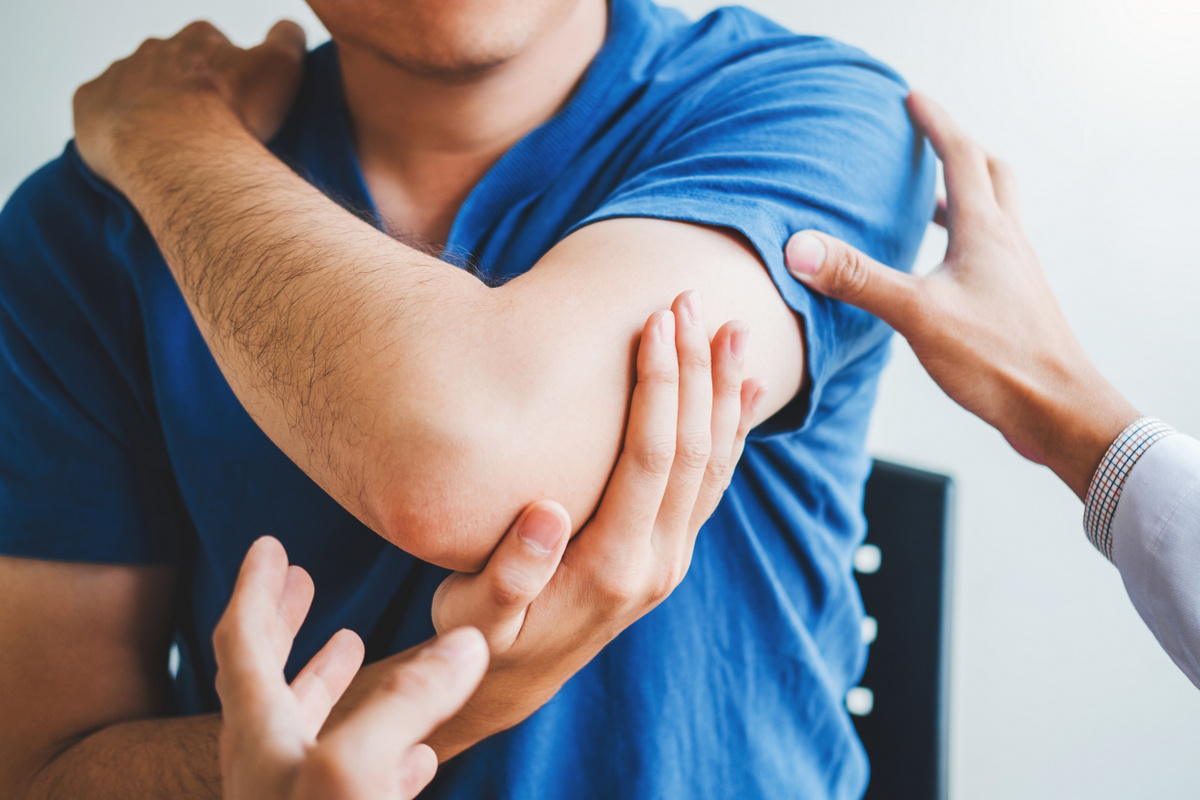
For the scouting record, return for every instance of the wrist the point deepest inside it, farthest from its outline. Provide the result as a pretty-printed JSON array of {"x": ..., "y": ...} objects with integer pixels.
[
  {"x": 1082, "y": 424},
  {"x": 146, "y": 147}
]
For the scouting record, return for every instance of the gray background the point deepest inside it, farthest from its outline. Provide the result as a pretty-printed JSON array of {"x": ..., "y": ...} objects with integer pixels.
[{"x": 1058, "y": 690}]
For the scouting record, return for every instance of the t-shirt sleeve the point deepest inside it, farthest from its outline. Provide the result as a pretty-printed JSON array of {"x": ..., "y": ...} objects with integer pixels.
[
  {"x": 794, "y": 133},
  {"x": 83, "y": 472}
]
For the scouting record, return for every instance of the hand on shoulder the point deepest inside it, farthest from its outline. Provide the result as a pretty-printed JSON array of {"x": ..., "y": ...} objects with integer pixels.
[{"x": 985, "y": 323}]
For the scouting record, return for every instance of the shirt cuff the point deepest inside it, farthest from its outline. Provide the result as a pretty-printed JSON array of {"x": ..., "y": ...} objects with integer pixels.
[{"x": 1105, "y": 489}]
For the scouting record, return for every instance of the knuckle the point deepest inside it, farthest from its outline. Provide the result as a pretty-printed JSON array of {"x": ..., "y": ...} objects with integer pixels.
[
  {"x": 617, "y": 589},
  {"x": 198, "y": 29},
  {"x": 719, "y": 465},
  {"x": 849, "y": 277},
  {"x": 655, "y": 455},
  {"x": 512, "y": 588},
  {"x": 729, "y": 389},
  {"x": 665, "y": 583},
  {"x": 693, "y": 452},
  {"x": 697, "y": 358},
  {"x": 664, "y": 376},
  {"x": 146, "y": 47}
]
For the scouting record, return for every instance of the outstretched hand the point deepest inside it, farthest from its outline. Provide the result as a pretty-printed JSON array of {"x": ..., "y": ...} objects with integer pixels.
[
  {"x": 269, "y": 747},
  {"x": 984, "y": 324}
]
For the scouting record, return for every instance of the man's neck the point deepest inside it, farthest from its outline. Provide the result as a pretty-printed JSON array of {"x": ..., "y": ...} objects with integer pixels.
[{"x": 424, "y": 141}]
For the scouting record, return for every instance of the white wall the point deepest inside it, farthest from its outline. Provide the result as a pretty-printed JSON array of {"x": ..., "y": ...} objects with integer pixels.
[{"x": 1058, "y": 690}]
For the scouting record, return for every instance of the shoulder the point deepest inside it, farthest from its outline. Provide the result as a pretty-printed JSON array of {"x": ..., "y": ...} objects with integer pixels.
[
  {"x": 61, "y": 215},
  {"x": 64, "y": 190},
  {"x": 69, "y": 248},
  {"x": 738, "y": 83},
  {"x": 62, "y": 223},
  {"x": 739, "y": 50}
]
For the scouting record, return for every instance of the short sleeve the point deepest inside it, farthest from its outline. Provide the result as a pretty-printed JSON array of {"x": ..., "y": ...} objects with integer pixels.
[
  {"x": 83, "y": 474},
  {"x": 791, "y": 133}
]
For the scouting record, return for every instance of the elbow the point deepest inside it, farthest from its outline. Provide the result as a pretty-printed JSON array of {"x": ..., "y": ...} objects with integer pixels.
[
  {"x": 475, "y": 444},
  {"x": 444, "y": 495}
]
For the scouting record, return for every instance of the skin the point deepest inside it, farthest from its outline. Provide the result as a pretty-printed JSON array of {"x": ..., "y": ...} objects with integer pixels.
[{"x": 984, "y": 323}]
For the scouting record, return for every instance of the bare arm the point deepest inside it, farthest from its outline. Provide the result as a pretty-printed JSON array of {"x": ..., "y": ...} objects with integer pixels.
[
  {"x": 421, "y": 399},
  {"x": 82, "y": 676}
]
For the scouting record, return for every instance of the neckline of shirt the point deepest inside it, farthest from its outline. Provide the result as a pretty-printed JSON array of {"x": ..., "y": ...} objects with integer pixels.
[{"x": 527, "y": 166}]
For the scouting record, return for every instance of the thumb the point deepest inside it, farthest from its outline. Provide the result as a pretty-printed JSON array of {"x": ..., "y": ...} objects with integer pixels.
[
  {"x": 837, "y": 270},
  {"x": 496, "y": 599}
]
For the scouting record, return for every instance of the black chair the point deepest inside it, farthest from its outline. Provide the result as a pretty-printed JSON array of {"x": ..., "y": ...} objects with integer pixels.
[{"x": 903, "y": 571}]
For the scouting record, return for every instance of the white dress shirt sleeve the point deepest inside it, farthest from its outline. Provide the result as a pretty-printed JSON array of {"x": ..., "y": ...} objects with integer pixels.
[{"x": 1145, "y": 516}]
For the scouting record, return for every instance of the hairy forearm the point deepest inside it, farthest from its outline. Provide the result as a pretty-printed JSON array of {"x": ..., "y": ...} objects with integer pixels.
[
  {"x": 176, "y": 758},
  {"x": 305, "y": 307}
]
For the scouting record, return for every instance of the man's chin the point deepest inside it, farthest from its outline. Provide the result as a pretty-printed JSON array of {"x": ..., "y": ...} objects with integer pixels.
[
  {"x": 448, "y": 68},
  {"x": 448, "y": 63}
]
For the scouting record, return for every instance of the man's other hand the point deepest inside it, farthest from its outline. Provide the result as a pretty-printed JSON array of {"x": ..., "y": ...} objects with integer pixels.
[
  {"x": 195, "y": 78},
  {"x": 269, "y": 748},
  {"x": 985, "y": 323}
]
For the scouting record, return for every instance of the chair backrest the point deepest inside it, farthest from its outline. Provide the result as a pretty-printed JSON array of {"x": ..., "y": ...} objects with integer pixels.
[{"x": 903, "y": 570}]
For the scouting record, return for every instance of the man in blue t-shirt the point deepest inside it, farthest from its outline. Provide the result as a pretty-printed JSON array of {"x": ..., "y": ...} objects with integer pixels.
[{"x": 198, "y": 347}]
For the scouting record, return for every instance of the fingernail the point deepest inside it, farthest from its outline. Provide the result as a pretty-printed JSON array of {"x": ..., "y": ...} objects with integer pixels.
[
  {"x": 464, "y": 644},
  {"x": 759, "y": 396},
  {"x": 805, "y": 254},
  {"x": 693, "y": 307},
  {"x": 541, "y": 529},
  {"x": 737, "y": 342},
  {"x": 666, "y": 326}
]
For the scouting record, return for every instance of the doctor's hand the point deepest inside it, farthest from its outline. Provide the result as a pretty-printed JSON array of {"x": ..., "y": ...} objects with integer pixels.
[
  {"x": 168, "y": 89},
  {"x": 985, "y": 323},
  {"x": 269, "y": 746},
  {"x": 548, "y": 606}
]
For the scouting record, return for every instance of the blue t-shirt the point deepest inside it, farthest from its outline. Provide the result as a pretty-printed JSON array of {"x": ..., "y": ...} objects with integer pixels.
[{"x": 120, "y": 442}]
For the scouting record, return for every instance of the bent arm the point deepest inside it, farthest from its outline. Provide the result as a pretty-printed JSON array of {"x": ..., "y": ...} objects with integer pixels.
[
  {"x": 418, "y": 397},
  {"x": 82, "y": 676}
]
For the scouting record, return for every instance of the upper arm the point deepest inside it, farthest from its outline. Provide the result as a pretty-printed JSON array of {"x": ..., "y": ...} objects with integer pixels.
[
  {"x": 731, "y": 171},
  {"x": 82, "y": 646}
]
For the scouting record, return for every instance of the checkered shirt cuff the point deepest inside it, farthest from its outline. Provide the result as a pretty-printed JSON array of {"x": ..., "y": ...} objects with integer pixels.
[{"x": 1105, "y": 489}]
